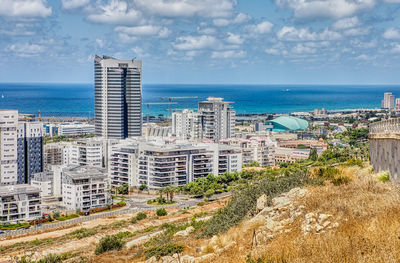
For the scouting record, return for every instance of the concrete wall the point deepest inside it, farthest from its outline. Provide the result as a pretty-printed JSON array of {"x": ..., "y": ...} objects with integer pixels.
[{"x": 385, "y": 156}]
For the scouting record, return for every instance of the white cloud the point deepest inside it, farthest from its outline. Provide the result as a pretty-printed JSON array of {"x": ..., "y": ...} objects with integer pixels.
[
  {"x": 72, "y": 4},
  {"x": 188, "y": 8},
  {"x": 346, "y": 23},
  {"x": 303, "y": 34},
  {"x": 239, "y": 19},
  {"x": 147, "y": 30},
  {"x": 261, "y": 28},
  {"x": 207, "y": 30},
  {"x": 301, "y": 49},
  {"x": 140, "y": 52},
  {"x": 197, "y": 42},
  {"x": 273, "y": 51},
  {"x": 234, "y": 39},
  {"x": 24, "y": 8},
  {"x": 325, "y": 8},
  {"x": 25, "y": 49},
  {"x": 116, "y": 12},
  {"x": 391, "y": 33},
  {"x": 229, "y": 54},
  {"x": 356, "y": 31}
]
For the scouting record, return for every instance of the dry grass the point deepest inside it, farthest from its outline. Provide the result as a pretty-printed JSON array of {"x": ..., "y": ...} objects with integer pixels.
[{"x": 367, "y": 210}]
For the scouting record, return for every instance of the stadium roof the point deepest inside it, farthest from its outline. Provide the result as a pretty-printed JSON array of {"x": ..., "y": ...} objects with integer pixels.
[{"x": 290, "y": 123}]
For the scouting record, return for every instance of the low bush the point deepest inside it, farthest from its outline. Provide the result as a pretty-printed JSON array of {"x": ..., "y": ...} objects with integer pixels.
[
  {"x": 82, "y": 233},
  {"x": 161, "y": 212},
  {"x": 384, "y": 177},
  {"x": 138, "y": 217},
  {"x": 124, "y": 234},
  {"x": 109, "y": 243},
  {"x": 13, "y": 226},
  {"x": 162, "y": 251},
  {"x": 342, "y": 179},
  {"x": 354, "y": 162}
]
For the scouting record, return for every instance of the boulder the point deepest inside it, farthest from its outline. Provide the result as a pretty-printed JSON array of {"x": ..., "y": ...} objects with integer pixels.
[{"x": 262, "y": 202}]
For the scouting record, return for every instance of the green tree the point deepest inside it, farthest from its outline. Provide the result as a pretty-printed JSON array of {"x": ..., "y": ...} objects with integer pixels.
[{"x": 313, "y": 154}]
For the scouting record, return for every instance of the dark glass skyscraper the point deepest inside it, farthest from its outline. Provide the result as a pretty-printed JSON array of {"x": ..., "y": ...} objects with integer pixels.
[{"x": 118, "y": 97}]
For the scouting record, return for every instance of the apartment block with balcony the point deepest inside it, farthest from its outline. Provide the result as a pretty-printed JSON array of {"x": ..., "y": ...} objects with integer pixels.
[
  {"x": 19, "y": 203},
  {"x": 8, "y": 147},
  {"x": 85, "y": 187},
  {"x": 88, "y": 152}
]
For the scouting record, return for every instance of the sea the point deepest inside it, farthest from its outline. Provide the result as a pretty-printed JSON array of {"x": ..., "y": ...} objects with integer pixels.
[{"x": 77, "y": 100}]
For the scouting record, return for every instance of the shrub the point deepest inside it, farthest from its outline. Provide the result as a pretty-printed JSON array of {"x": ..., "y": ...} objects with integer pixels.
[
  {"x": 161, "y": 212},
  {"x": 340, "y": 180},
  {"x": 163, "y": 251},
  {"x": 354, "y": 162},
  {"x": 124, "y": 234},
  {"x": 109, "y": 243},
  {"x": 83, "y": 232},
  {"x": 141, "y": 216},
  {"x": 384, "y": 177}
]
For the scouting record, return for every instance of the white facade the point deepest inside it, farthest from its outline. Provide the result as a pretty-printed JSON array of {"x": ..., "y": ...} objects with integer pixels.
[
  {"x": 388, "y": 101},
  {"x": 217, "y": 119},
  {"x": 56, "y": 154},
  {"x": 87, "y": 152},
  {"x": 186, "y": 124},
  {"x": 259, "y": 149},
  {"x": 159, "y": 163},
  {"x": 44, "y": 182},
  {"x": 85, "y": 187},
  {"x": 70, "y": 129},
  {"x": 8, "y": 147},
  {"x": 19, "y": 203}
]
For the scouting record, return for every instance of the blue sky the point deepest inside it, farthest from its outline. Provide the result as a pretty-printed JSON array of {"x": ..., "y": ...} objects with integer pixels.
[{"x": 204, "y": 41}]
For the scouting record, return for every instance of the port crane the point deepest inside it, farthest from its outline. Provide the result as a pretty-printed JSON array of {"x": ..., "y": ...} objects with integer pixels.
[
  {"x": 148, "y": 104},
  {"x": 171, "y": 99}
]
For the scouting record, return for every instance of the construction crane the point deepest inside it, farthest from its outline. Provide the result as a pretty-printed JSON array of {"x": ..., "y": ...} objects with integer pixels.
[
  {"x": 171, "y": 99},
  {"x": 156, "y": 103}
]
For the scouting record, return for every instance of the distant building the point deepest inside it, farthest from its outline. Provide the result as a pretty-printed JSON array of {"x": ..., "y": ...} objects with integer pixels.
[
  {"x": 186, "y": 124},
  {"x": 85, "y": 187},
  {"x": 71, "y": 129},
  {"x": 320, "y": 112},
  {"x": 217, "y": 119},
  {"x": 118, "y": 97},
  {"x": 8, "y": 147},
  {"x": 44, "y": 181},
  {"x": 397, "y": 104},
  {"x": 153, "y": 130},
  {"x": 87, "y": 152},
  {"x": 388, "y": 101},
  {"x": 56, "y": 154},
  {"x": 19, "y": 203},
  {"x": 288, "y": 123}
]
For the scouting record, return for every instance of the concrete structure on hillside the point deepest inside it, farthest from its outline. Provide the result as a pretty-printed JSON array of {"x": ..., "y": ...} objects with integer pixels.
[
  {"x": 8, "y": 147},
  {"x": 158, "y": 163},
  {"x": 384, "y": 140},
  {"x": 118, "y": 97},
  {"x": 19, "y": 203},
  {"x": 85, "y": 187}
]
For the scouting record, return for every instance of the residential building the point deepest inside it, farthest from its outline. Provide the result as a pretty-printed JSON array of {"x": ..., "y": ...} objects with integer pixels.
[
  {"x": 30, "y": 150},
  {"x": 44, "y": 181},
  {"x": 8, "y": 147},
  {"x": 217, "y": 119},
  {"x": 56, "y": 154},
  {"x": 85, "y": 187},
  {"x": 259, "y": 149},
  {"x": 186, "y": 124},
  {"x": 159, "y": 163},
  {"x": 87, "y": 152},
  {"x": 153, "y": 130},
  {"x": 397, "y": 104},
  {"x": 77, "y": 128},
  {"x": 118, "y": 97},
  {"x": 19, "y": 203},
  {"x": 290, "y": 155},
  {"x": 388, "y": 101}
]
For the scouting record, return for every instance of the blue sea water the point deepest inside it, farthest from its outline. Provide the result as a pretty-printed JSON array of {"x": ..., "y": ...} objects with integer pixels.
[{"x": 78, "y": 99}]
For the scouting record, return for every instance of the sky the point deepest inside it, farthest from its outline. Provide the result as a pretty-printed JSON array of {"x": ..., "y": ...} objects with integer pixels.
[{"x": 204, "y": 41}]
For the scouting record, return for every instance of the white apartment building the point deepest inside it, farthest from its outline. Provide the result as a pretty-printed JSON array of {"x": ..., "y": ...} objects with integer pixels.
[
  {"x": 19, "y": 203},
  {"x": 44, "y": 181},
  {"x": 289, "y": 155},
  {"x": 8, "y": 147},
  {"x": 259, "y": 149},
  {"x": 388, "y": 101},
  {"x": 70, "y": 129},
  {"x": 186, "y": 124},
  {"x": 159, "y": 163},
  {"x": 85, "y": 187},
  {"x": 87, "y": 152}
]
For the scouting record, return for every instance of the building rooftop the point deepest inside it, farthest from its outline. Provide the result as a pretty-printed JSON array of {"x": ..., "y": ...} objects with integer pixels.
[
  {"x": 43, "y": 177},
  {"x": 17, "y": 189},
  {"x": 289, "y": 123},
  {"x": 82, "y": 172}
]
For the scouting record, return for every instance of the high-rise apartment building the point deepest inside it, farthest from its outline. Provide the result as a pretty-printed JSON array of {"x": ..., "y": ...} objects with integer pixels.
[
  {"x": 214, "y": 120},
  {"x": 8, "y": 147},
  {"x": 388, "y": 101},
  {"x": 217, "y": 119},
  {"x": 118, "y": 97},
  {"x": 30, "y": 150}
]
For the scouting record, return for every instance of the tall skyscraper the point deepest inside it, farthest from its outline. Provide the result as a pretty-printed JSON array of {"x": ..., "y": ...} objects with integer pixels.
[{"x": 118, "y": 97}]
